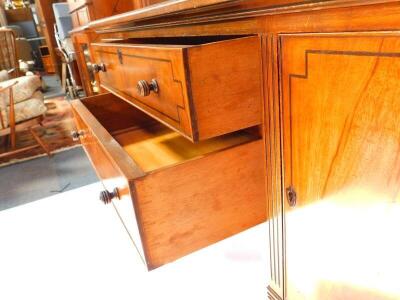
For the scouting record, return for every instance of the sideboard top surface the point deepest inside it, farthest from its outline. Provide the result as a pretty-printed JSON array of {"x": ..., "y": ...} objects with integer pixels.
[{"x": 215, "y": 9}]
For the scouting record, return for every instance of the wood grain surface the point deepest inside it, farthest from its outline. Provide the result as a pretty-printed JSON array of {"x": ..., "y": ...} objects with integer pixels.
[
  {"x": 341, "y": 146},
  {"x": 171, "y": 189},
  {"x": 198, "y": 99}
]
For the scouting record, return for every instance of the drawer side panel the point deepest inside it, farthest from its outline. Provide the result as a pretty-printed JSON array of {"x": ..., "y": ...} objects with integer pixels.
[
  {"x": 126, "y": 66},
  {"x": 226, "y": 85}
]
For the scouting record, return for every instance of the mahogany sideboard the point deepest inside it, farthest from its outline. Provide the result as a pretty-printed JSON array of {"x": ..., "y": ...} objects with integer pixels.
[{"x": 219, "y": 114}]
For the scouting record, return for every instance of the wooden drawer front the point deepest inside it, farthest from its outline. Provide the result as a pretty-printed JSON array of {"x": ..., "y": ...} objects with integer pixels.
[
  {"x": 104, "y": 165},
  {"x": 204, "y": 90},
  {"x": 99, "y": 145},
  {"x": 176, "y": 204},
  {"x": 126, "y": 66}
]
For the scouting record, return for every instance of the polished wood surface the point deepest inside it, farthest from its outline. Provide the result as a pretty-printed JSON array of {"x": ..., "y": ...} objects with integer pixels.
[
  {"x": 137, "y": 4},
  {"x": 341, "y": 142},
  {"x": 168, "y": 181},
  {"x": 85, "y": 11},
  {"x": 112, "y": 164},
  {"x": 184, "y": 76},
  {"x": 47, "y": 61},
  {"x": 273, "y": 168},
  {"x": 328, "y": 90},
  {"x": 211, "y": 199},
  {"x": 114, "y": 115},
  {"x": 82, "y": 12},
  {"x": 155, "y": 147},
  {"x": 203, "y": 12},
  {"x": 19, "y": 15},
  {"x": 163, "y": 8},
  {"x": 84, "y": 58}
]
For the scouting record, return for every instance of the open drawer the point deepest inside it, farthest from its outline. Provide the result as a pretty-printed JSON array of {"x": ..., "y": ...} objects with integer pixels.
[
  {"x": 200, "y": 86},
  {"x": 173, "y": 196}
]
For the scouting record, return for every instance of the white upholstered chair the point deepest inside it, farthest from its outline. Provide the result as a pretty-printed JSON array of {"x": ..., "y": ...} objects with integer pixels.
[{"x": 21, "y": 101}]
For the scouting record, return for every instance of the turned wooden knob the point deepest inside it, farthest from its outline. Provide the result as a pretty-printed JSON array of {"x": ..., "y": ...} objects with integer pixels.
[
  {"x": 106, "y": 197},
  {"x": 144, "y": 88},
  {"x": 77, "y": 134},
  {"x": 99, "y": 67}
]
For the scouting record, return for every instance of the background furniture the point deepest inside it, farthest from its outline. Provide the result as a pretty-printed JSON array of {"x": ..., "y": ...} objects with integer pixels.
[
  {"x": 24, "y": 47},
  {"x": 69, "y": 76},
  {"x": 46, "y": 22},
  {"x": 21, "y": 102},
  {"x": 46, "y": 59},
  {"x": 20, "y": 114},
  {"x": 19, "y": 15},
  {"x": 22, "y": 21},
  {"x": 8, "y": 52}
]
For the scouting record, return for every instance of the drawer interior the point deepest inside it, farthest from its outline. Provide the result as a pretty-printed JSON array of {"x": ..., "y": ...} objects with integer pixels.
[
  {"x": 156, "y": 146},
  {"x": 171, "y": 189},
  {"x": 150, "y": 144}
]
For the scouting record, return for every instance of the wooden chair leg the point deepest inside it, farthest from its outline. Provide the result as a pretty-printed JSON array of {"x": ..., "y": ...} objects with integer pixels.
[
  {"x": 64, "y": 77},
  {"x": 40, "y": 142},
  {"x": 13, "y": 132},
  {"x": 13, "y": 139}
]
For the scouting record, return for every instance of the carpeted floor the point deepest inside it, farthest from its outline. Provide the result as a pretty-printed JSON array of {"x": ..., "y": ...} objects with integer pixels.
[
  {"x": 44, "y": 177},
  {"x": 56, "y": 132},
  {"x": 53, "y": 86}
]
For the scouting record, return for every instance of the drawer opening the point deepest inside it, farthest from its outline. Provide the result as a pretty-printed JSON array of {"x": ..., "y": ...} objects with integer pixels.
[
  {"x": 156, "y": 146},
  {"x": 209, "y": 87},
  {"x": 170, "y": 189},
  {"x": 180, "y": 41},
  {"x": 152, "y": 145}
]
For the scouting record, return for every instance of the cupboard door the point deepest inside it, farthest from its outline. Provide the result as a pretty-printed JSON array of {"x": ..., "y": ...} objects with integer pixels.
[{"x": 341, "y": 143}]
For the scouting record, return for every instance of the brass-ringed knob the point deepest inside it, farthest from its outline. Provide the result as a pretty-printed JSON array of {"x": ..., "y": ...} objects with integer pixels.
[
  {"x": 106, "y": 197},
  {"x": 77, "y": 134},
  {"x": 97, "y": 68},
  {"x": 144, "y": 88}
]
